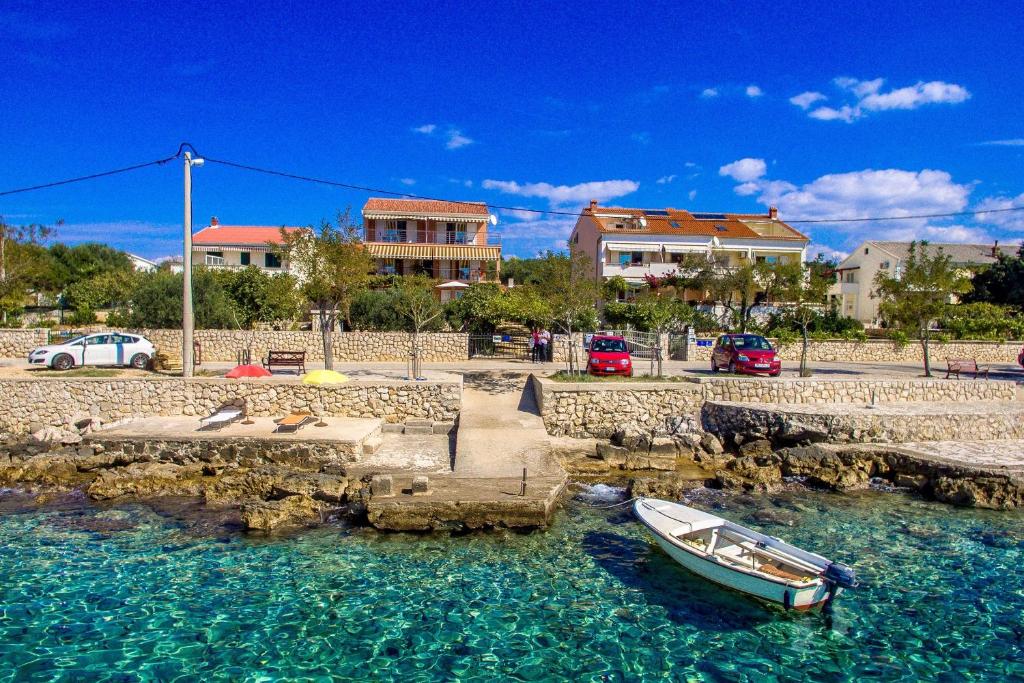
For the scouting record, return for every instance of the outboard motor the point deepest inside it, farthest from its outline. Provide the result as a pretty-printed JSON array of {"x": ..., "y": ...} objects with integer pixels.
[{"x": 838, "y": 576}]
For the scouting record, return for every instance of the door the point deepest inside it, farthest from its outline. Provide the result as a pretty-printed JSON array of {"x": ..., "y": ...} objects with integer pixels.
[
  {"x": 99, "y": 350},
  {"x": 720, "y": 354}
]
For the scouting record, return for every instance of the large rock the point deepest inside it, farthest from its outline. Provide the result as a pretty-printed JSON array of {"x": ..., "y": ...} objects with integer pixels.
[
  {"x": 147, "y": 480},
  {"x": 268, "y": 515},
  {"x": 670, "y": 485},
  {"x": 711, "y": 444}
]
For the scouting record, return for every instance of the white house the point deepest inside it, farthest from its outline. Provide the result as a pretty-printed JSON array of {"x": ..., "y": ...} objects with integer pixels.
[
  {"x": 239, "y": 246},
  {"x": 142, "y": 265},
  {"x": 855, "y": 281},
  {"x": 637, "y": 243}
]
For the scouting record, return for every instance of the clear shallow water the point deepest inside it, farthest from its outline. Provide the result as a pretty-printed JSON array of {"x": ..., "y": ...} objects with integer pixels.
[{"x": 128, "y": 594}]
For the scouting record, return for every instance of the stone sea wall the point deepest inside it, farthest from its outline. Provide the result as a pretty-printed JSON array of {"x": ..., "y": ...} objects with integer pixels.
[
  {"x": 598, "y": 410},
  {"x": 862, "y": 423},
  {"x": 34, "y": 402}
]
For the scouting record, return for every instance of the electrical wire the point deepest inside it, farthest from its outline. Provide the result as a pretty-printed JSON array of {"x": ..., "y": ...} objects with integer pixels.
[
  {"x": 91, "y": 176},
  {"x": 408, "y": 195}
]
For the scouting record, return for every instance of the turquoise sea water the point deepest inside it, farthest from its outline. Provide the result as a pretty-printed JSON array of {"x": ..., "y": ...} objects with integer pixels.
[{"x": 132, "y": 594}]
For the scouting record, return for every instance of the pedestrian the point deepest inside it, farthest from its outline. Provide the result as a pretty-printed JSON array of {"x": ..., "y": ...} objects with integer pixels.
[
  {"x": 545, "y": 346},
  {"x": 534, "y": 345}
]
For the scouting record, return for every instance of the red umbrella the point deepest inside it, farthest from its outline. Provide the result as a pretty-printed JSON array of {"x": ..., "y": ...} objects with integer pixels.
[{"x": 248, "y": 371}]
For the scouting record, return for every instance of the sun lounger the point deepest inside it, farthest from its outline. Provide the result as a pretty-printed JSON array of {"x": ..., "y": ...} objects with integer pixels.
[
  {"x": 293, "y": 422},
  {"x": 220, "y": 418}
]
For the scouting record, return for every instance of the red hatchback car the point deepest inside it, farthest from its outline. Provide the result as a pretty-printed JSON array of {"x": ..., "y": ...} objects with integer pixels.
[
  {"x": 746, "y": 353},
  {"x": 609, "y": 355}
]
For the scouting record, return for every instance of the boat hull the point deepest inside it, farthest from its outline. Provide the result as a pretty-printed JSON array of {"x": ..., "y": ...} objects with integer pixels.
[{"x": 798, "y": 598}]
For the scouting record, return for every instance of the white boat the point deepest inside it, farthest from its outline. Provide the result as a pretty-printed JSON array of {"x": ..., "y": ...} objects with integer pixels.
[{"x": 743, "y": 559}]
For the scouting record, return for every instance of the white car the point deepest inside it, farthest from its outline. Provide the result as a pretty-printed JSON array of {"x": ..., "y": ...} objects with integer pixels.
[{"x": 103, "y": 348}]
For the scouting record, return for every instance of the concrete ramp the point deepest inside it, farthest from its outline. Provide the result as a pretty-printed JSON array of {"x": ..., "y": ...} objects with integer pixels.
[{"x": 500, "y": 430}]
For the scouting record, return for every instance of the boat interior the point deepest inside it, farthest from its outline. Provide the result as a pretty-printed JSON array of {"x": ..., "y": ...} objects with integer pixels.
[{"x": 735, "y": 549}]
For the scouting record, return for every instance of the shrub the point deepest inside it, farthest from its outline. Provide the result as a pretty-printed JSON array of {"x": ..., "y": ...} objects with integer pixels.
[{"x": 981, "y": 321}]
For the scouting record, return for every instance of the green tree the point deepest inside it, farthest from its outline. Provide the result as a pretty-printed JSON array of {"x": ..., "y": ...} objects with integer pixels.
[
  {"x": 478, "y": 311},
  {"x": 156, "y": 301},
  {"x": 803, "y": 290},
  {"x": 1002, "y": 283},
  {"x": 419, "y": 305},
  {"x": 105, "y": 290},
  {"x": 260, "y": 297},
  {"x": 23, "y": 264},
  {"x": 84, "y": 261},
  {"x": 571, "y": 290},
  {"x": 927, "y": 283},
  {"x": 333, "y": 266}
]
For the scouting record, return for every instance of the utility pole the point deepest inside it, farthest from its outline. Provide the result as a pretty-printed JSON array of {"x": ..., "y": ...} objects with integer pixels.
[{"x": 187, "y": 319}]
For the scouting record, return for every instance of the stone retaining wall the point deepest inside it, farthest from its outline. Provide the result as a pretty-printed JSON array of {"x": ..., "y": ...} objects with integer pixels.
[
  {"x": 17, "y": 343},
  {"x": 58, "y": 401},
  {"x": 861, "y": 423},
  {"x": 885, "y": 351},
  {"x": 598, "y": 409}
]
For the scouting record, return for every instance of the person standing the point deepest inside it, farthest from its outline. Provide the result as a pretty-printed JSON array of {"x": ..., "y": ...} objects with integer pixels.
[
  {"x": 545, "y": 346},
  {"x": 534, "y": 345}
]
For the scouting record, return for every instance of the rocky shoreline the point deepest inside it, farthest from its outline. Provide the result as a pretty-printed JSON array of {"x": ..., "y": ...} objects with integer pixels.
[{"x": 680, "y": 456}]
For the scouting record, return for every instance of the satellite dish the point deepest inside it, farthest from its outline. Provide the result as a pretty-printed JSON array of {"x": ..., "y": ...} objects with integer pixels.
[
  {"x": 493, "y": 219},
  {"x": 643, "y": 222}
]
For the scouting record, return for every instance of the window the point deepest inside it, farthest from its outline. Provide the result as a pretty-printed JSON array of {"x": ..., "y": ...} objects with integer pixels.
[
  {"x": 885, "y": 265},
  {"x": 388, "y": 266},
  {"x": 98, "y": 339},
  {"x": 272, "y": 261},
  {"x": 455, "y": 233},
  {"x": 244, "y": 258},
  {"x": 767, "y": 259},
  {"x": 849, "y": 277},
  {"x": 631, "y": 258},
  {"x": 394, "y": 231},
  {"x": 865, "y": 251}
]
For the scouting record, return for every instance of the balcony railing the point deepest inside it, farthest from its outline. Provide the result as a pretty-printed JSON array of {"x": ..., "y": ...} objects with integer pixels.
[
  {"x": 215, "y": 260},
  {"x": 428, "y": 237}
]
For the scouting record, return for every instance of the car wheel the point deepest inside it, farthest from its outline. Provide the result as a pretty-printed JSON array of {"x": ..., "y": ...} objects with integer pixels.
[
  {"x": 140, "y": 361},
  {"x": 732, "y": 367},
  {"x": 63, "y": 361}
]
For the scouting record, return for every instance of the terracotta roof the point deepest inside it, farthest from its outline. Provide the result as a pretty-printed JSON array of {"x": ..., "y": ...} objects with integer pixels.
[
  {"x": 959, "y": 254},
  {"x": 671, "y": 221},
  {"x": 424, "y": 206},
  {"x": 240, "y": 234}
]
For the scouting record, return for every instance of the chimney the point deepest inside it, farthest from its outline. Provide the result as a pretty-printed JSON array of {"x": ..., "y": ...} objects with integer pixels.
[
  {"x": 995, "y": 249},
  {"x": 773, "y": 212},
  {"x": 593, "y": 204},
  {"x": 214, "y": 222}
]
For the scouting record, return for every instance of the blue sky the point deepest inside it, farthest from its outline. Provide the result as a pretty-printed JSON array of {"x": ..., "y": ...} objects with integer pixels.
[{"x": 847, "y": 110}]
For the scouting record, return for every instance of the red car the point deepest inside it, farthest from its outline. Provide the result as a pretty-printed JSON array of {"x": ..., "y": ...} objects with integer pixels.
[
  {"x": 747, "y": 353},
  {"x": 609, "y": 355}
]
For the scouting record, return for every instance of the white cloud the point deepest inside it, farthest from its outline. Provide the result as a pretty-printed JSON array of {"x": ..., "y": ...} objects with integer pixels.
[
  {"x": 868, "y": 97},
  {"x": 708, "y": 93},
  {"x": 558, "y": 195},
  {"x": 426, "y": 128},
  {"x": 666, "y": 179},
  {"x": 844, "y": 113},
  {"x": 407, "y": 181},
  {"x": 1012, "y": 142},
  {"x": 753, "y": 91},
  {"x": 806, "y": 99},
  {"x": 868, "y": 194},
  {"x": 533, "y": 233},
  {"x": 643, "y": 138},
  {"x": 1010, "y": 220},
  {"x": 692, "y": 195},
  {"x": 744, "y": 170},
  {"x": 456, "y": 139},
  {"x": 826, "y": 252},
  {"x": 914, "y": 96}
]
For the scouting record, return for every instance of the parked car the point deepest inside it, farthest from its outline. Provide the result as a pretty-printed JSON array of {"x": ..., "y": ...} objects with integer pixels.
[
  {"x": 1020, "y": 358},
  {"x": 104, "y": 348},
  {"x": 745, "y": 353},
  {"x": 609, "y": 355}
]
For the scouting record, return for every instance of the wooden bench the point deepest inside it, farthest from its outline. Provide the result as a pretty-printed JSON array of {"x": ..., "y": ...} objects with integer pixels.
[
  {"x": 286, "y": 359},
  {"x": 954, "y": 366}
]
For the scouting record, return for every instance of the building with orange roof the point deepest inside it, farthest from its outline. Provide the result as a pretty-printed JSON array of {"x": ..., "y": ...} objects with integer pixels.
[
  {"x": 240, "y": 246},
  {"x": 638, "y": 243},
  {"x": 448, "y": 241}
]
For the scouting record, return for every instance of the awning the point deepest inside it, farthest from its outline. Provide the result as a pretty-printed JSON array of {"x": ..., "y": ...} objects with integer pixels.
[
  {"x": 454, "y": 284},
  {"x": 633, "y": 246},
  {"x": 451, "y": 252},
  {"x": 687, "y": 248},
  {"x": 440, "y": 218}
]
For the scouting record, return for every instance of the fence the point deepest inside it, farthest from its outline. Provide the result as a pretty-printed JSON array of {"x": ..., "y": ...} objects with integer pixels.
[
  {"x": 640, "y": 344},
  {"x": 516, "y": 346}
]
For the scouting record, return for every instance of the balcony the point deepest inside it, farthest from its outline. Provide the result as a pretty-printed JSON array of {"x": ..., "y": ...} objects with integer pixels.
[{"x": 432, "y": 237}]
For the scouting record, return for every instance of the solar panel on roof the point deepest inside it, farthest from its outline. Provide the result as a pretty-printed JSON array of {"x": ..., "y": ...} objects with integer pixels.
[
  {"x": 721, "y": 228},
  {"x": 674, "y": 224},
  {"x": 709, "y": 216},
  {"x": 657, "y": 213}
]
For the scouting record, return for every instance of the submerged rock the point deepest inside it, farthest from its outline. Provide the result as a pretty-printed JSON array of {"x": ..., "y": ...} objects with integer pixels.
[{"x": 268, "y": 515}]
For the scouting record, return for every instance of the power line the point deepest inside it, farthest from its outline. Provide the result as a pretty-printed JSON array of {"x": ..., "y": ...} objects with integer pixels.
[
  {"x": 408, "y": 195},
  {"x": 91, "y": 176},
  {"x": 375, "y": 190}
]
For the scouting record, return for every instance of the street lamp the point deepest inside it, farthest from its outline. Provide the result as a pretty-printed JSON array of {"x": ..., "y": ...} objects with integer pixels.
[{"x": 187, "y": 321}]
